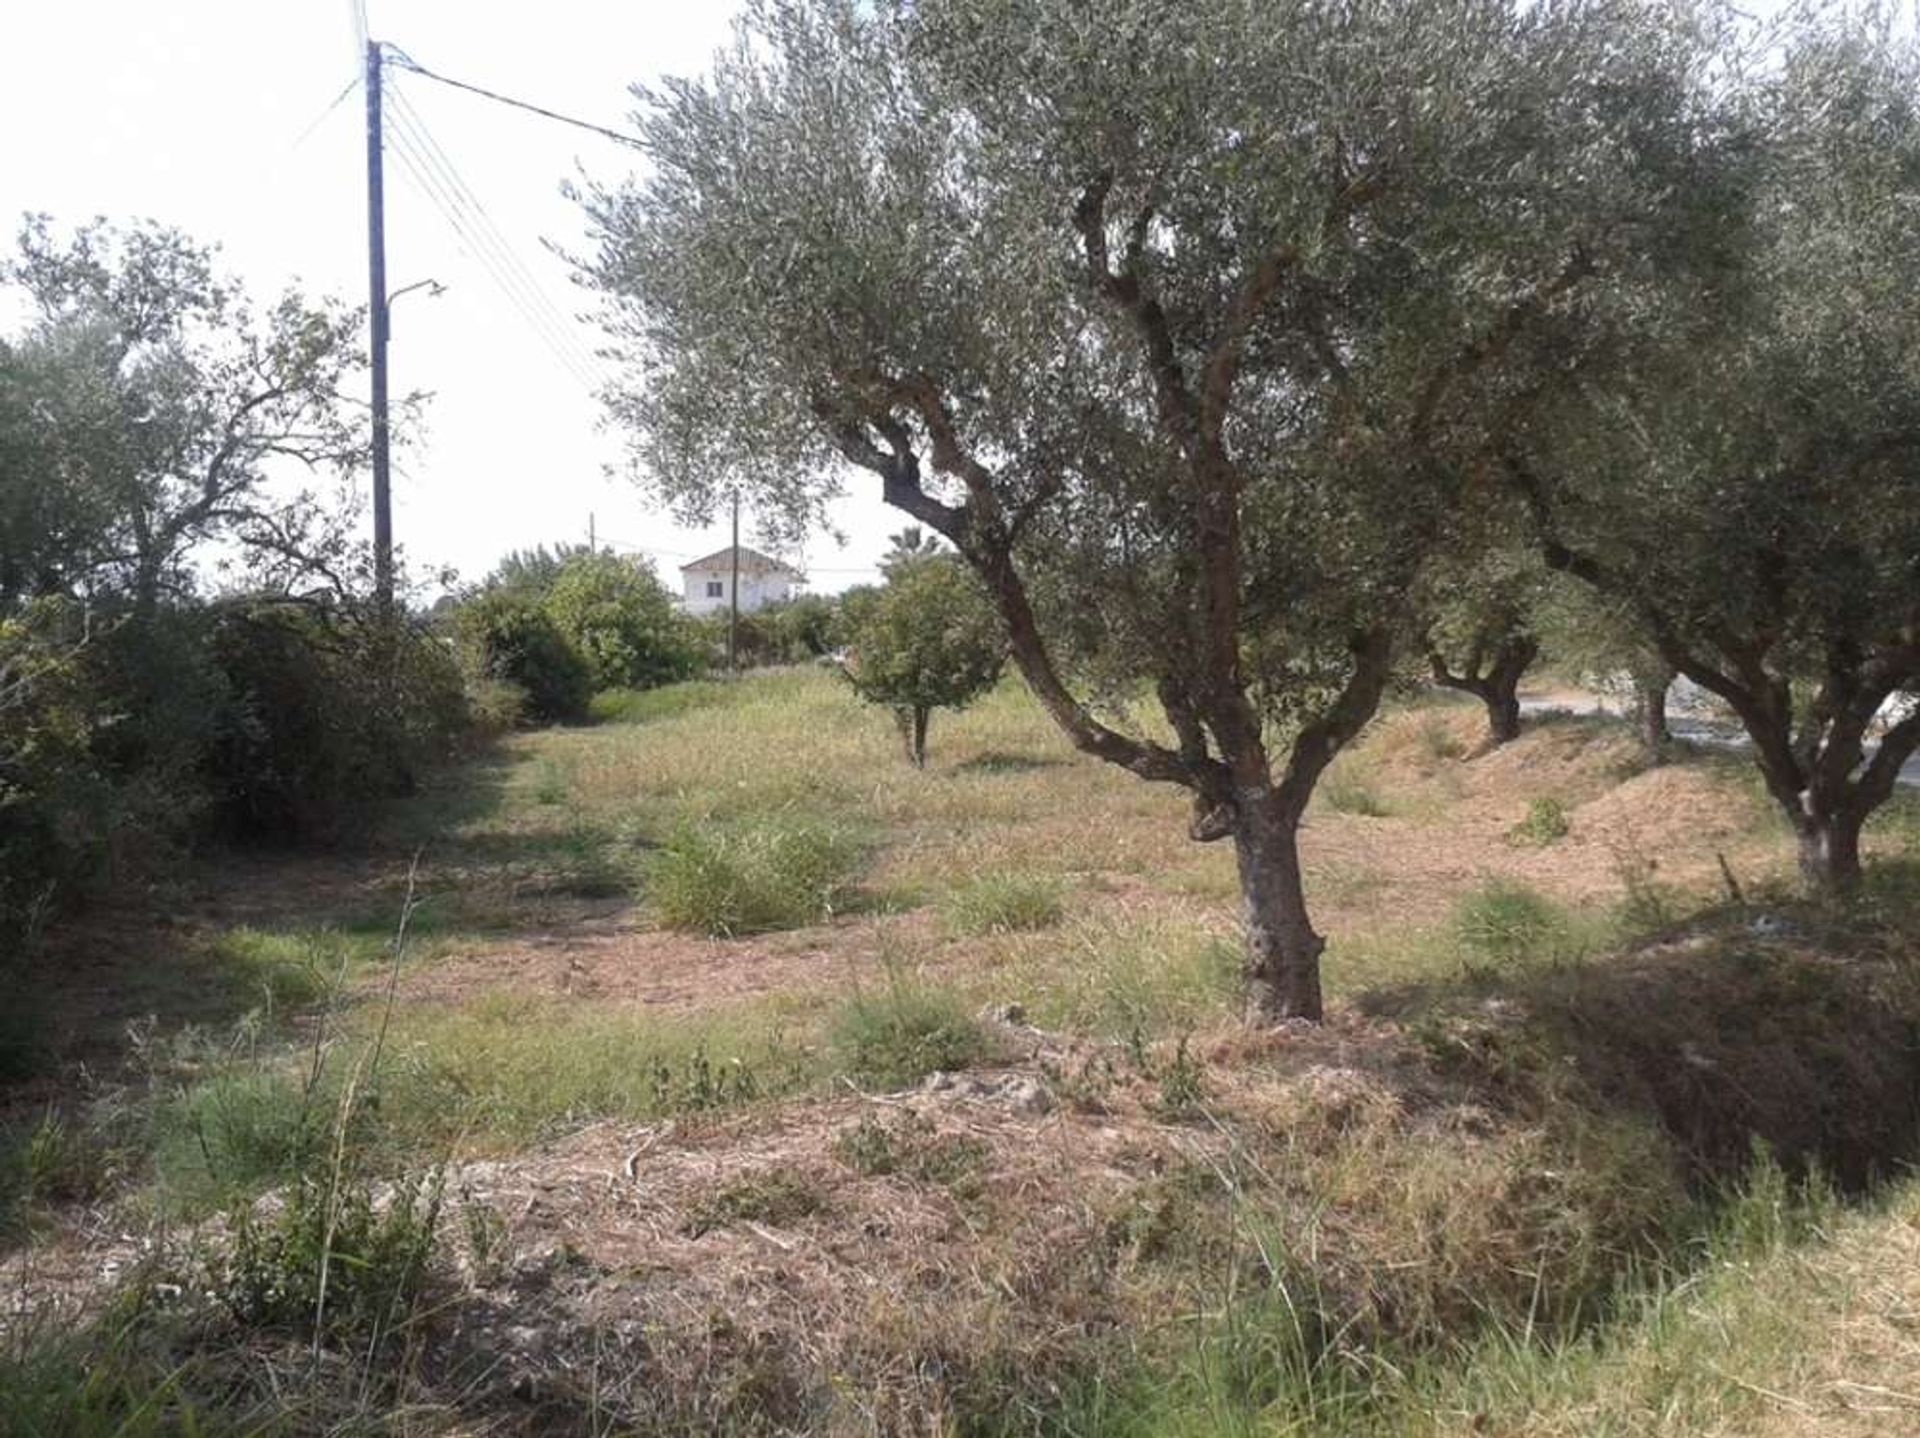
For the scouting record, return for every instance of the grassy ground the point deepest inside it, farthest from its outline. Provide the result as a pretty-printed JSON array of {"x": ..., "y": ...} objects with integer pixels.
[{"x": 658, "y": 1017}]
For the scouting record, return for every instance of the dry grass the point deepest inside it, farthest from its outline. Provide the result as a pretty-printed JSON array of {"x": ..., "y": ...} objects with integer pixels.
[{"x": 1123, "y": 1213}]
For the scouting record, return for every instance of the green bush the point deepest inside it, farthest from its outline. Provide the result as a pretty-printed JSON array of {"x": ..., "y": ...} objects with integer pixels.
[
  {"x": 58, "y": 805},
  {"x": 1348, "y": 791},
  {"x": 506, "y": 636},
  {"x": 125, "y": 735},
  {"x": 330, "y": 1264},
  {"x": 749, "y": 879},
  {"x": 328, "y": 713},
  {"x": 1546, "y": 823},
  {"x": 1002, "y": 903},
  {"x": 622, "y": 622}
]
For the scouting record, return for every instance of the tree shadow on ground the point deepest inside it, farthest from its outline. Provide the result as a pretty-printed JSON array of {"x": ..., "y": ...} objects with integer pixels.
[
  {"x": 997, "y": 761},
  {"x": 1792, "y": 1030},
  {"x": 152, "y": 954}
]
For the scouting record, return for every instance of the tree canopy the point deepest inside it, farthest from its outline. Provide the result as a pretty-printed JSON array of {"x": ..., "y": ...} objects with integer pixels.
[
  {"x": 1751, "y": 496},
  {"x": 155, "y": 401},
  {"x": 1186, "y": 326},
  {"x": 928, "y": 639}
]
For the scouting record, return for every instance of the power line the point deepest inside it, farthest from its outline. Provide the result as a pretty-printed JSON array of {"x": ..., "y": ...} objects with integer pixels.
[
  {"x": 483, "y": 238},
  {"x": 321, "y": 118},
  {"x": 464, "y": 198},
  {"x": 443, "y": 189},
  {"x": 431, "y": 188},
  {"x": 406, "y": 61}
]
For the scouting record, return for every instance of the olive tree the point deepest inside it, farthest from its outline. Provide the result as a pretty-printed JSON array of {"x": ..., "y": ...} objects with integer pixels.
[
  {"x": 1754, "y": 501},
  {"x": 1598, "y": 638},
  {"x": 926, "y": 640},
  {"x": 1184, "y": 325},
  {"x": 1481, "y": 631},
  {"x": 158, "y": 404}
]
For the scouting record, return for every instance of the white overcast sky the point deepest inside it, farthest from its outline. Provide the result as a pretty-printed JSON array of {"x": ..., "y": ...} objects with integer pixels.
[{"x": 202, "y": 114}]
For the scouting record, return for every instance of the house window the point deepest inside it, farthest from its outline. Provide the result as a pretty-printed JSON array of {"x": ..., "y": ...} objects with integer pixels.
[{"x": 716, "y": 589}]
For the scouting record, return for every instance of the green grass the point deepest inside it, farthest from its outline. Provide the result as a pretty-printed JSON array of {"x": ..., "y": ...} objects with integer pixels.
[
  {"x": 1288, "y": 1283},
  {"x": 1347, "y": 789},
  {"x": 1114, "y": 977},
  {"x": 670, "y": 701},
  {"x": 1546, "y": 823},
  {"x": 1505, "y": 923},
  {"x": 728, "y": 880},
  {"x": 894, "y": 1036},
  {"x": 1002, "y": 904}
]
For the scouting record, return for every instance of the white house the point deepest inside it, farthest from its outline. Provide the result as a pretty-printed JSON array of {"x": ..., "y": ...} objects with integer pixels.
[{"x": 763, "y": 581}]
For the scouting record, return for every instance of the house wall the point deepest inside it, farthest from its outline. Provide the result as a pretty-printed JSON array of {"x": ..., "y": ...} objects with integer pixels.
[{"x": 756, "y": 590}]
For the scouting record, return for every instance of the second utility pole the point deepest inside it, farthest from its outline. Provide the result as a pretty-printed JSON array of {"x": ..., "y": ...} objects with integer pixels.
[
  {"x": 733, "y": 596},
  {"x": 377, "y": 327}
]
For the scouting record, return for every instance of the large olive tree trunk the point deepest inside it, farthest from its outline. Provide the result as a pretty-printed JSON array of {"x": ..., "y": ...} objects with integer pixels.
[
  {"x": 1830, "y": 849},
  {"x": 1283, "y": 950}
]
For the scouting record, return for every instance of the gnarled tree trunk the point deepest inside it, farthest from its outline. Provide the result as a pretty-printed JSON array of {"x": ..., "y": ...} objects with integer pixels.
[
  {"x": 1829, "y": 846},
  {"x": 1497, "y": 686},
  {"x": 1283, "y": 951}
]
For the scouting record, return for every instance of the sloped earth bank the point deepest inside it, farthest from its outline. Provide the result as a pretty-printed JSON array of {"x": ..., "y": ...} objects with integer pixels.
[{"x": 991, "y": 1250}]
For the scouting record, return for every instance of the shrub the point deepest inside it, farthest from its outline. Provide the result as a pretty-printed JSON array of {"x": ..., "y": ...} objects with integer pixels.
[
  {"x": 802, "y": 628},
  {"x": 495, "y": 706},
  {"x": 57, "y": 804},
  {"x": 1505, "y": 922},
  {"x": 622, "y": 622},
  {"x": 507, "y": 636},
  {"x": 1002, "y": 903},
  {"x": 750, "y": 878},
  {"x": 331, "y": 1264},
  {"x": 329, "y": 712},
  {"x": 123, "y": 736},
  {"x": 899, "y": 1035},
  {"x": 1546, "y": 823},
  {"x": 1348, "y": 791}
]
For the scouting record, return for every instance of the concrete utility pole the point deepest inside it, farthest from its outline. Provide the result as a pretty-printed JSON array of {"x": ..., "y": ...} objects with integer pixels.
[
  {"x": 377, "y": 327},
  {"x": 733, "y": 596}
]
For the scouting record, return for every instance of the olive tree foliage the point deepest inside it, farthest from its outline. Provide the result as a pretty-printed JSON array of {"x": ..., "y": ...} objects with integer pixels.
[
  {"x": 1480, "y": 626},
  {"x": 1598, "y": 639},
  {"x": 926, "y": 640},
  {"x": 157, "y": 402},
  {"x": 1184, "y": 325},
  {"x": 1754, "y": 501}
]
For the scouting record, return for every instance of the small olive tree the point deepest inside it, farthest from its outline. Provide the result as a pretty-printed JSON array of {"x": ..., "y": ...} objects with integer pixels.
[
  {"x": 1183, "y": 325},
  {"x": 927, "y": 640}
]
